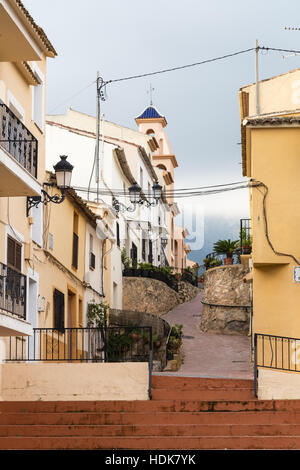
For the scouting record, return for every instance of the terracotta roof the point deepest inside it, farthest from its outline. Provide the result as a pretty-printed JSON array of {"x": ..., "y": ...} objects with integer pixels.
[
  {"x": 271, "y": 120},
  {"x": 27, "y": 73},
  {"x": 120, "y": 154},
  {"x": 37, "y": 29},
  {"x": 147, "y": 162},
  {"x": 82, "y": 205}
]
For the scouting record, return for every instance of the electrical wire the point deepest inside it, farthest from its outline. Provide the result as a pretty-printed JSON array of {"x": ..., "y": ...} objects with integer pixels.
[
  {"x": 172, "y": 69},
  {"x": 184, "y": 192},
  {"x": 180, "y": 67},
  {"x": 278, "y": 253}
]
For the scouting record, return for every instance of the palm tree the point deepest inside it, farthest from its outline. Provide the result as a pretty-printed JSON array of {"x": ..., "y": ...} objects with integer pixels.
[{"x": 226, "y": 247}]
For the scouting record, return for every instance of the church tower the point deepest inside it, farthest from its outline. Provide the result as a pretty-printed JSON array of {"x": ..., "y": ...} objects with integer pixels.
[{"x": 151, "y": 122}]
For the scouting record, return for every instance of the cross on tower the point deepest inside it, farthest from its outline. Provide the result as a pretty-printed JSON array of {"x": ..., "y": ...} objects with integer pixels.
[{"x": 151, "y": 89}]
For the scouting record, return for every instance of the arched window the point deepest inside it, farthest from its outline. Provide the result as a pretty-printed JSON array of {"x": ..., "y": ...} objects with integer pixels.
[
  {"x": 162, "y": 167},
  {"x": 150, "y": 132}
]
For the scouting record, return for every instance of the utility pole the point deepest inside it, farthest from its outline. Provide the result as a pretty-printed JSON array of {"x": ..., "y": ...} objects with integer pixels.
[
  {"x": 97, "y": 135},
  {"x": 257, "y": 77},
  {"x": 99, "y": 96}
]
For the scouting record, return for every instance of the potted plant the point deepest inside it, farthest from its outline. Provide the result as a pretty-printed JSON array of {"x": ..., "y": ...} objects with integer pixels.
[
  {"x": 207, "y": 261},
  {"x": 156, "y": 341},
  {"x": 215, "y": 262},
  {"x": 135, "y": 335},
  {"x": 226, "y": 247},
  {"x": 246, "y": 242}
]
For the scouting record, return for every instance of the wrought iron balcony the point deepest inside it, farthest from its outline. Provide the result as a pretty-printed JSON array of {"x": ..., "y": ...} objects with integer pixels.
[
  {"x": 245, "y": 236},
  {"x": 17, "y": 140},
  {"x": 12, "y": 291}
]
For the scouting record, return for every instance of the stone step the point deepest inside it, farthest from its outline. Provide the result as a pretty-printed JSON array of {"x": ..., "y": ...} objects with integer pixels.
[
  {"x": 151, "y": 418},
  {"x": 155, "y": 443},
  {"x": 200, "y": 394},
  {"x": 183, "y": 383},
  {"x": 153, "y": 430},
  {"x": 140, "y": 406}
]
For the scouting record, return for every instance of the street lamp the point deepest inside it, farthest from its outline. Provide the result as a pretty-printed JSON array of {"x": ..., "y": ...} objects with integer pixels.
[
  {"x": 63, "y": 172},
  {"x": 135, "y": 198},
  {"x": 157, "y": 190}
]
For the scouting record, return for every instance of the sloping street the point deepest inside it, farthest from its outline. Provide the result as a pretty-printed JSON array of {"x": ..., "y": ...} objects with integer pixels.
[{"x": 207, "y": 354}]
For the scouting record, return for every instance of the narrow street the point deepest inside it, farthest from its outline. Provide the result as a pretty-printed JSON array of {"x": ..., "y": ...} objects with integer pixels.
[{"x": 207, "y": 354}]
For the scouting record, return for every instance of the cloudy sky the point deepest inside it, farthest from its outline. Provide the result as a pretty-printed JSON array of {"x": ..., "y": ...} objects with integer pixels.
[{"x": 121, "y": 38}]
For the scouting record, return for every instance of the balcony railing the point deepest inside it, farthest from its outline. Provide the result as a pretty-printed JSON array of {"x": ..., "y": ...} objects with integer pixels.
[
  {"x": 17, "y": 140},
  {"x": 12, "y": 291},
  {"x": 245, "y": 236}
]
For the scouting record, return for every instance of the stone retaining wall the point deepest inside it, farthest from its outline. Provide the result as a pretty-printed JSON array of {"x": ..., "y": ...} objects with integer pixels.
[
  {"x": 224, "y": 285},
  {"x": 152, "y": 296}
]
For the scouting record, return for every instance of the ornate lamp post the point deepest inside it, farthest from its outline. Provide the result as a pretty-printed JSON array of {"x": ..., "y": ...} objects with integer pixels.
[{"x": 63, "y": 171}]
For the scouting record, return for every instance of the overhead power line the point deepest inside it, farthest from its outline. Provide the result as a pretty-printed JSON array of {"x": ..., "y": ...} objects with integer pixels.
[
  {"x": 180, "y": 67},
  {"x": 172, "y": 69},
  {"x": 183, "y": 193}
]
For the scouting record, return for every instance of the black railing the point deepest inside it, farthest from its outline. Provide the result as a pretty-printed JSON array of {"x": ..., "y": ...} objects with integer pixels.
[
  {"x": 12, "y": 291},
  {"x": 245, "y": 236},
  {"x": 104, "y": 344},
  {"x": 17, "y": 140},
  {"x": 153, "y": 273},
  {"x": 77, "y": 345},
  {"x": 275, "y": 352}
]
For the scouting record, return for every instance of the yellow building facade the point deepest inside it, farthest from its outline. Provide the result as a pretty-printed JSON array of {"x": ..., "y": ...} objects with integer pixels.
[
  {"x": 270, "y": 129},
  {"x": 24, "y": 49}
]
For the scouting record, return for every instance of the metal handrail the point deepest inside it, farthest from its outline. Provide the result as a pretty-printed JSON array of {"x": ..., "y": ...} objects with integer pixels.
[
  {"x": 275, "y": 352},
  {"x": 89, "y": 344}
]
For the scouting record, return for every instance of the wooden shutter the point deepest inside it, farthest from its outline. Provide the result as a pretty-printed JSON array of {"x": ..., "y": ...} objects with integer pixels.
[
  {"x": 14, "y": 254},
  {"x": 75, "y": 251},
  {"x": 59, "y": 309}
]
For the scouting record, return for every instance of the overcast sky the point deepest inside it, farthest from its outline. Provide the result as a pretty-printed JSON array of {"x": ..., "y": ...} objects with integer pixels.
[{"x": 121, "y": 38}]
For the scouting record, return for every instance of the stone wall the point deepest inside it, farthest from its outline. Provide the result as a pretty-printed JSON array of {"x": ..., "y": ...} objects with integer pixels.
[
  {"x": 224, "y": 285},
  {"x": 160, "y": 328},
  {"x": 148, "y": 295},
  {"x": 152, "y": 296},
  {"x": 187, "y": 291}
]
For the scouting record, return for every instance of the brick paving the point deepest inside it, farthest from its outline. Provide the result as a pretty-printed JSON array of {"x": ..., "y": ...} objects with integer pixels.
[{"x": 207, "y": 354}]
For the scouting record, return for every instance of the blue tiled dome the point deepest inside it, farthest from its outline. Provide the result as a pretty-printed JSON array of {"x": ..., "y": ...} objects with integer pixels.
[{"x": 150, "y": 113}]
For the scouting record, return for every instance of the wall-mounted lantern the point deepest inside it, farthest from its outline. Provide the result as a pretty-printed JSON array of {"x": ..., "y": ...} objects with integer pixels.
[{"x": 63, "y": 172}]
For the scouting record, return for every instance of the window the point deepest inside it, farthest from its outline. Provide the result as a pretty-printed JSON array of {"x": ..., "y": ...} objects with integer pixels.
[
  {"x": 14, "y": 254},
  {"x": 92, "y": 255},
  {"x": 134, "y": 252},
  {"x": 144, "y": 249},
  {"x": 150, "y": 256},
  {"x": 59, "y": 309},
  {"x": 118, "y": 233}
]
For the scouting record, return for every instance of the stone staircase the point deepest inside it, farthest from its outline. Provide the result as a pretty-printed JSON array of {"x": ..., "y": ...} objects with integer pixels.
[{"x": 184, "y": 413}]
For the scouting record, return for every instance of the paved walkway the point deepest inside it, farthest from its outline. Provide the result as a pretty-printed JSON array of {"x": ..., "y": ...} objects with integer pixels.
[{"x": 207, "y": 354}]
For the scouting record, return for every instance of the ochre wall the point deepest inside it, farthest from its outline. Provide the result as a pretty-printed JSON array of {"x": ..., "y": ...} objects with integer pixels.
[
  {"x": 53, "y": 382},
  {"x": 275, "y": 161}
]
